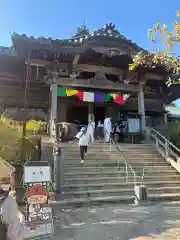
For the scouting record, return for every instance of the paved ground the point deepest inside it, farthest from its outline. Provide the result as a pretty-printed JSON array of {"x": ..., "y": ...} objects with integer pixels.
[{"x": 118, "y": 222}]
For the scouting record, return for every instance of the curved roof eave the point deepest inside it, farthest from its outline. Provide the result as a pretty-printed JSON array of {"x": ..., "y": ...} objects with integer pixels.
[{"x": 107, "y": 36}]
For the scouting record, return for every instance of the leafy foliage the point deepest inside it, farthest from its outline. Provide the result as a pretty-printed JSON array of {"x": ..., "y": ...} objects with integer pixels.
[
  {"x": 35, "y": 126},
  {"x": 171, "y": 132},
  {"x": 168, "y": 38},
  {"x": 164, "y": 58},
  {"x": 11, "y": 140}
]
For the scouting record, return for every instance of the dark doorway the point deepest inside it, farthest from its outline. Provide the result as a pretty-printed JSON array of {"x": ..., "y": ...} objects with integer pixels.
[
  {"x": 99, "y": 113},
  {"x": 78, "y": 114}
]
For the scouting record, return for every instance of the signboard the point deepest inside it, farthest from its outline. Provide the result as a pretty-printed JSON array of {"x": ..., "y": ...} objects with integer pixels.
[
  {"x": 133, "y": 125},
  {"x": 39, "y": 221},
  {"x": 37, "y": 174}
]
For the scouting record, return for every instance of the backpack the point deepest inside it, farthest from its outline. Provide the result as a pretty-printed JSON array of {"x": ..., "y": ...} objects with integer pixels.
[{"x": 3, "y": 226}]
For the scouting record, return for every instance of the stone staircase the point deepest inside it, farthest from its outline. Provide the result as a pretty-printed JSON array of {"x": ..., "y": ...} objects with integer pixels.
[
  {"x": 47, "y": 149},
  {"x": 102, "y": 177}
]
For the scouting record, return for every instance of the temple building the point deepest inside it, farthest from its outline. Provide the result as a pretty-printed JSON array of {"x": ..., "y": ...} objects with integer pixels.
[{"x": 81, "y": 78}]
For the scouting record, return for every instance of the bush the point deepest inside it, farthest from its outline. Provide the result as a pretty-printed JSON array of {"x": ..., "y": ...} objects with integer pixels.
[
  {"x": 171, "y": 131},
  {"x": 35, "y": 126},
  {"x": 174, "y": 133},
  {"x": 11, "y": 140}
]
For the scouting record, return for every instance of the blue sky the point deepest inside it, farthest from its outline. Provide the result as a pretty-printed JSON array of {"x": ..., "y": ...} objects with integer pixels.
[{"x": 60, "y": 18}]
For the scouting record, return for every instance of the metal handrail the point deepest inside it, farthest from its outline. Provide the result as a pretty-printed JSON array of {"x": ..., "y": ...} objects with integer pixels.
[
  {"x": 124, "y": 158},
  {"x": 165, "y": 139},
  {"x": 170, "y": 151}
]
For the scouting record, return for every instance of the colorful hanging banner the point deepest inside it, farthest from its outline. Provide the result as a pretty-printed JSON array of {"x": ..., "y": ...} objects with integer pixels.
[
  {"x": 71, "y": 92},
  {"x": 99, "y": 97},
  {"x": 61, "y": 92},
  {"x": 88, "y": 97}
]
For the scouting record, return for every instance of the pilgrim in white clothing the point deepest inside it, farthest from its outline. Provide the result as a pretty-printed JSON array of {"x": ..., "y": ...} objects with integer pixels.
[
  {"x": 107, "y": 128},
  {"x": 90, "y": 130},
  {"x": 83, "y": 137}
]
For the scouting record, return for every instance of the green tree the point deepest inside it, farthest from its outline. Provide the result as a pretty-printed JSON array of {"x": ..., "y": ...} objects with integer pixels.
[
  {"x": 167, "y": 37},
  {"x": 169, "y": 40}
]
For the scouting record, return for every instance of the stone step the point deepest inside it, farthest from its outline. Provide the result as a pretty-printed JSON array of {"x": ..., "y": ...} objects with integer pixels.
[
  {"x": 164, "y": 190},
  {"x": 99, "y": 193},
  {"x": 98, "y": 163},
  {"x": 134, "y": 147},
  {"x": 114, "y": 153},
  {"x": 113, "y": 156},
  {"x": 121, "y": 169},
  {"x": 164, "y": 197},
  {"x": 114, "y": 160},
  {"x": 116, "y": 180},
  {"x": 105, "y": 145},
  {"x": 97, "y": 145},
  {"x": 108, "y": 184},
  {"x": 119, "y": 192},
  {"x": 129, "y": 199},
  {"x": 78, "y": 202},
  {"x": 99, "y": 180},
  {"x": 114, "y": 150},
  {"x": 90, "y": 170},
  {"x": 93, "y": 174},
  {"x": 120, "y": 173},
  {"x": 102, "y": 177}
]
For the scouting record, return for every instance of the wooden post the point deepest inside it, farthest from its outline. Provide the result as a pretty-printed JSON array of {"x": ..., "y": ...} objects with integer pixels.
[
  {"x": 165, "y": 114},
  {"x": 53, "y": 110},
  {"x": 141, "y": 107},
  {"x": 28, "y": 76},
  {"x": 90, "y": 112}
]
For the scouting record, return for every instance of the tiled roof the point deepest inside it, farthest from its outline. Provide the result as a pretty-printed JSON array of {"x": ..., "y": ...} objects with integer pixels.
[
  {"x": 82, "y": 36},
  {"x": 7, "y": 51}
]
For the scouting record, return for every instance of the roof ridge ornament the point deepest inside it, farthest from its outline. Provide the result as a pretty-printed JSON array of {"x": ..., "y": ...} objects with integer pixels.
[
  {"x": 82, "y": 31},
  {"x": 109, "y": 26},
  {"x": 109, "y": 30}
]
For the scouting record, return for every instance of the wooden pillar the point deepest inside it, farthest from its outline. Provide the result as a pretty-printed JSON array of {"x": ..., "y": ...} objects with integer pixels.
[
  {"x": 53, "y": 101},
  {"x": 90, "y": 112},
  {"x": 62, "y": 110},
  {"x": 53, "y": 110},
  {"x": 165, "y": 115},
  {"x": 141, "y": 107}
]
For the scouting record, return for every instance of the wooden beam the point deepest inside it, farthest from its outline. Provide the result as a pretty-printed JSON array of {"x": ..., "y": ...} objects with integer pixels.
[
  {"x": 75, "y": 60},
  {"x": 39, "y": 63},
  {"x": 44, "y": 63},
  {"x": 83, "y": 83},
  {"x": 102, "y": 69},
  {"x": 153, "y": 76}
]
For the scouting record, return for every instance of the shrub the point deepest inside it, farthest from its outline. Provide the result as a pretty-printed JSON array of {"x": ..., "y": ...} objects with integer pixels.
[
  {"x": 174, "y": 132},
  {"x": 171, "y": 131},
  {"x": 11, "y": 139},
  {"x": 35, "y": 126}
]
